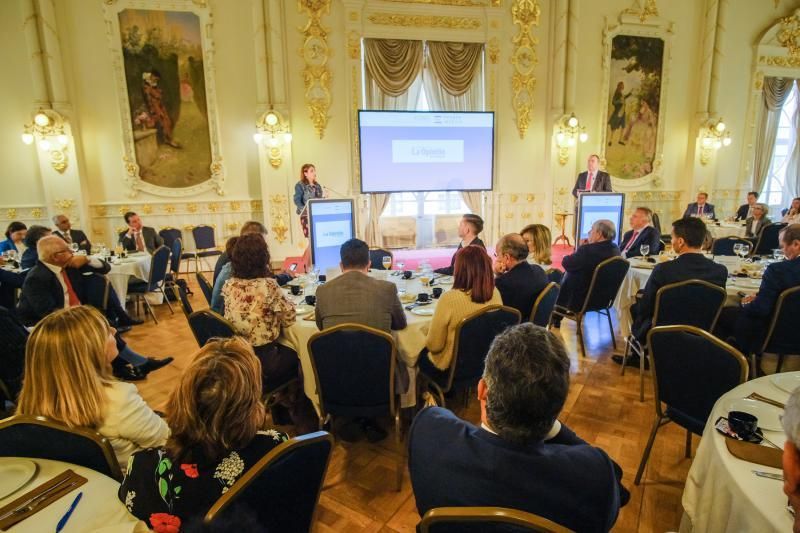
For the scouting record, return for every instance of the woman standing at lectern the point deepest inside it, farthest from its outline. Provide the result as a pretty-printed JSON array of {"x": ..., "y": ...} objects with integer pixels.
[{"x": 304, "y": 190}]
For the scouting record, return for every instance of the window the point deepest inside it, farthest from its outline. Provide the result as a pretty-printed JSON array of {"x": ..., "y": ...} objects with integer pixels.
[
  {"x": 775, "y": 192},
  {"x": 414, "y": 204}
]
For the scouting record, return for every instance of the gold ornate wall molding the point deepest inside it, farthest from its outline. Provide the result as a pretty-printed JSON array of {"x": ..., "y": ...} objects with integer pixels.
[
  {"x": 25, "y": 213},
  {"x": 460, "y": 3},
  {"x": 789, "y": 34},
  {"x": 644, "y": 12},
  {"x": 426, "y": 21},
  {"x": 524, "y": 14},
  {"x": 315, "y": 53},
  {"x": 279, "y": 217}
]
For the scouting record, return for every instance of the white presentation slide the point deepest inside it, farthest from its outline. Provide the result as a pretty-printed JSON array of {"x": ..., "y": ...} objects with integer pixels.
[
  {"x": 332, "y": 233},
  {"x": 428, "y": 151},
  {"x": 599, "y": 206}
]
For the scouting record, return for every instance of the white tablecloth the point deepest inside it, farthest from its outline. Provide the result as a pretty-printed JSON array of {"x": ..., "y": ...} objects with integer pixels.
[
  {"x": 136, "y": 265},
  {"x": 721, "y": 492},
  {"x": 99, "y": 507},
  {"x": 726, "y": 229}
]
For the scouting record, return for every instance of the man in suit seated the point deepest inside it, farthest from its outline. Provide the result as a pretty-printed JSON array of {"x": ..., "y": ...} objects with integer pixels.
[
  {"x": 70, "y": 235},
  {"x": 521, "y": 456},
  {"x": 592, "y": 180},
  {"x": 579, "y": 266},
  {"x": 354, "y": 297},
  {"x": 30, "y": 256},
  {"x": 469, "y": 228},
  {"x": 138, "y": 237},
  {"x": 641, "y": 232},
  {"x": 701, "y": 208},
  {"x": 518, "y": 281},
  {"x": 687, "y": 241},
  {"x": 60, "y": 280},
  {"x": 791, "y": 455},
  {"x": 745, "y": 211}
]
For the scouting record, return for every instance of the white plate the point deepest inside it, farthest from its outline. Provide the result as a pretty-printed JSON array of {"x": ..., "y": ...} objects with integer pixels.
[
  {"x": 303, "y": 309},
  {"x": 423, "y": 311},
  {"x": 445, "y": 280},
  {"x": 786, "y": 382},
  {"x": 14, "y": 473},
  {"x": 768, "y": 415}
]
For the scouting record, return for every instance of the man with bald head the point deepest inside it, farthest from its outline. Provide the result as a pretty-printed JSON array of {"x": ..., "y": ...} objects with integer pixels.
[
  {"x": 65, "y": 231},
  {"x": 518, "y": 281}
]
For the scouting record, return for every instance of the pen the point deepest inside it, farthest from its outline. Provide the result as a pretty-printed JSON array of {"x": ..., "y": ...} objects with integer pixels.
[{"x": 63, "y": 521}]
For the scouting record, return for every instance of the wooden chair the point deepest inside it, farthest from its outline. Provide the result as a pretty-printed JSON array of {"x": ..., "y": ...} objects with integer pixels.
[
  {"x": 782, "y": 338},
  {"x": 543, "y": 306},
  {"x": 486, "y": 520},
  {"x": 206, "y": 324},
  {"x": 159, "y": 263}
]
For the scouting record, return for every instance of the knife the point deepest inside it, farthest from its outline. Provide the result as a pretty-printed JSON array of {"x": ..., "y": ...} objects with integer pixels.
[{"x": 37, "y": 496}]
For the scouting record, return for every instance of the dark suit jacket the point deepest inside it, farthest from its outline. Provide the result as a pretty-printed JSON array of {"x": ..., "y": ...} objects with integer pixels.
[
  {"x": 708, "y": 210},
  {"x": 777, "y": 278},
  {"x": 743, "y": 212},
  {"x": 152, "y": 240},
  {"x": 765, "y": 221},
  {"x": 579, "y": 268},
  {"x": 520, "y": 286},
  {"x": 79, "y": 237},
  {"x": 682, "y": 268},
  {"x": 448, "y": 271},
  {"x": 564, "y": 480},
  {"x": 356, "y": 297},
  {"x": 649, "y": 235},
  {"x": 602, "y": 182},
  {"x": 13, "y": 337},
  {"x": 29, "y": 258},
  {"x": 42, "y": 292}
]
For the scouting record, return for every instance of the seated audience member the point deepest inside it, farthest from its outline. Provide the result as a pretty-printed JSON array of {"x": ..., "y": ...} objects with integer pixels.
[
  {"x": 468, "y": 230},
  {"x": 30, "y": 256},
  {"x": 15, "y": 239},
  {"x": 580, "y": 265},
  {"x": 687, "y": 240},
  {"x": 57, "y": 282},
  {"x": 521, "y": 456},
  {"x": 641, "y": 232},
  {"x": 13, "y": 336},
  {"x": 473, "y": 289},
  {"x": 757, "y": 222},
  {"x": 10, "y": 281},
  {"x": 356, "y": 297},
  {"x": 749, "y": 323},
  {"x": 68, "y": 379},
  {"x": 792, "y": 215},
  {"x": 518, "y": 281},
  {"x": 701, "y": 208},
  {"x": 538, "y": 238},
  {"x": 217, "y": 420},
  {"x": 70, "y": 235},
  {"x": 258, "y": 310},
  {"x": 138, "y": 237},
  {"x": 791, "y": 455},
  {"x": 745, "y": 211}
]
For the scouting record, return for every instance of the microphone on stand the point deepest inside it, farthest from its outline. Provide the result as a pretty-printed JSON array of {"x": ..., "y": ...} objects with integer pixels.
[{"x": 326, "y": 189}]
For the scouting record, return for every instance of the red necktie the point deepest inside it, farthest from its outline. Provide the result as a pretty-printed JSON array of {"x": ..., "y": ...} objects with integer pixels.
[
  {"x": 630, "y": 242},
  {"x": 589, "y": 182},
  {"x": 700, "y": 210},
  {"x": 73, "y": 298}
]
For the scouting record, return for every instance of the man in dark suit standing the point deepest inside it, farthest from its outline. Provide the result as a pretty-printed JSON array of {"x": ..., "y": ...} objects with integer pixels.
[
  {"x": 701, "y": 208},
  {"x": 745, "y": 211},
  {"x": 592, "y": 180},
  {"x": 641, "y": 232},
  {"x": 139, "y": 238},
  {"x": 70, "y": 235},
  {"x": 688, "y": 235},
  {"x": 518, "y": 281},
  {"x": 521, "y": 456},
  {"x": 468, "y": 230},
  {"x": 579, "y": 266}
]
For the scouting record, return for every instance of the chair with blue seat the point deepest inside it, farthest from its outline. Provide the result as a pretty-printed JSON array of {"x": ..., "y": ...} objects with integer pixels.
[
  {"x": 206, "y": 325},
  {"x": 376, "y": 256},
  {"x": 181, "y": 296},
  {"x": 205, "y": 287},
  {"x": 724, "y": 245},
  {"x": 782, "y": 338},
  {"x": 176, "y": 251},
  {"x": 555, "y": 275},
  {"x": 159, "y": 263},
  {"x": 169, "y": 235},
  {"x": 768, "y": 239},
  {"x": 543, "y": 306},
  {"x": 692, "y": 369},
  {"x": 486, "y": 520},
  {"x": 205, "y": 244}
]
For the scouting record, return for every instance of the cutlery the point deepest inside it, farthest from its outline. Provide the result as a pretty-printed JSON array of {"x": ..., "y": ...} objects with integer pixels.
[
  {"x": 30, "y": 503},
  {"x": 765, "y": 439},
  {"x": 768, "y": 475},
  {"x": 756, "y": 396}
]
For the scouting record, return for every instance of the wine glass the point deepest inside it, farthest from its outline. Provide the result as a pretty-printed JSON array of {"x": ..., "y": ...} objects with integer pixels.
[
  {"x": 400, "y": 265},
  {"x": 387, "y": 262},
  {"x": 737, "y": 249},
  {"x": 74, "y": 247},
  {"x": 644, "y": 250},
  {"x": 777, "y": 254}
]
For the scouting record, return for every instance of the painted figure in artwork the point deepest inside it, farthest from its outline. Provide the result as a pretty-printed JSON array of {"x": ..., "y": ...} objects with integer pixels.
[{"x": 155, "y": 107}]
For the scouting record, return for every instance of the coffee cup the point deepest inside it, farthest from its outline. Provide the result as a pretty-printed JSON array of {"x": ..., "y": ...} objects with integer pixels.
[
  {"x": 422, "y": 297},
  {"x": 437, "y": 291},
  {"x": 322, "y": 278},
  {"x": 743, "y": 424},
  {"x": 407, "y": 274},
  {"x": 295, "y": 289},
  {"x": 311, "y": 299}
]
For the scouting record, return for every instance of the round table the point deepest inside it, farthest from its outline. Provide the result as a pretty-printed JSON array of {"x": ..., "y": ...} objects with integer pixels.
[
  {"x": 721, "y": 491},
  {"x": 99, "y": 508},
  {"x": 136, "y": 264},
  {"x": 727, "y": 229}
]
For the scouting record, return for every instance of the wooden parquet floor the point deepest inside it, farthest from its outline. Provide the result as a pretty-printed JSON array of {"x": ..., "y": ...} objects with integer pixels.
[{"x": 602, "y": 407}]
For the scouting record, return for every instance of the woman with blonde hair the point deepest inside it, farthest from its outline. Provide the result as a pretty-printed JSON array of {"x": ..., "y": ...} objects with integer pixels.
[
  {"x": 216, "y": 415},
  {"x": 68, "y": 379},
  {"x": 538, "y": 238}
]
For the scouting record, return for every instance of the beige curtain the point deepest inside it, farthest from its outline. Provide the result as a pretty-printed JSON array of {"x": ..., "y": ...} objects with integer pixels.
[
  {"x": 473, "y": 200},
  {"x": 776, "y": 90},
  {"x": 792, "y": 184},
  {"x": 393, "y": 80}
]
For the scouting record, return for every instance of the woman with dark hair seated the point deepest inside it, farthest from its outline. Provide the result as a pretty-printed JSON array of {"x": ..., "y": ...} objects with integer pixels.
[
  {"x": 217, "y": 418},
  {"x": 15, "y": 237}
]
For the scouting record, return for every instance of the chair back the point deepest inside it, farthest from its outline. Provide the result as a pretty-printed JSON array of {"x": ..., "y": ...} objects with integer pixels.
[
  {"x": 41, "y": 438},
  {"x": 606, "y": 281},
  {"x": 205, "y": 286},
  {"x": 782, "y": 337},
  {"x": 691, "y": 370},
  {"x": 724, "y": 245},
  {"x": 655, "y": 220},
  {"x": 206, "y": 324},
  {"x": 183, "y": 298},
  {"x": 673, "y": 302},
  {"x": 544, "y": 304},
  {"x": 176, "y": 249},
  {"x": 555, "y": 275},
  {"x": 169, "y": 235},
  {"x": 204, "y": 237},
  {"x": 159, "y": 263},
  {"x": 376, "y": 256},
  {"x": 485, "y": 519},
  {"x": 336, "y": 352},
  {"x": 282, "y": 489},
  {"x": 473, "y": 336},
  {"x": 768, "y": 239}
]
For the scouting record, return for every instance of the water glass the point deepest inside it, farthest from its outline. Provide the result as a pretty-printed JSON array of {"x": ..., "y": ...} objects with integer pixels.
[
  {"x": 777, "y": 254},
  {"x": 402, "y": 285},
  {"x": 400, "y": 265},
  {"x": 644, "y": 250},
  {"x": 387, "y": 262},
  {"x": 74, "y": 247}
]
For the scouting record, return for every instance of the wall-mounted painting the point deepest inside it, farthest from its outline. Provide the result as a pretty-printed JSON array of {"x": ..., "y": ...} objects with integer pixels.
[{"x": 165, "y": 69}]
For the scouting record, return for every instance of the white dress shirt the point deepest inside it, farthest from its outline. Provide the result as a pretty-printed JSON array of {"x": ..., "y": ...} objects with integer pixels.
[{"x": 93, "y": 262}]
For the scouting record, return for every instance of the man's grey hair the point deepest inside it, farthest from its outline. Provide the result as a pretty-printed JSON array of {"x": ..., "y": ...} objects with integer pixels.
[
  {"x": 527, "y": 376},
  {"x": 605, "y": 228},
  {"x": 56, "y": 217},
  {"x": 48, "y": 246},
  {"x": 514, "y": 245},
  {"x": 791, "y": 418}
]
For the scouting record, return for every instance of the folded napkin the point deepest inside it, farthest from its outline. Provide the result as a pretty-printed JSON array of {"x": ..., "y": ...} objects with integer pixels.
[
  {"x": 755, "y": 453},
  {"x": 40, "y": 497}
]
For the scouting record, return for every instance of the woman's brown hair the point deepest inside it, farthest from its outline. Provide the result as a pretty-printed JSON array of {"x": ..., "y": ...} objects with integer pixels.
[
  {"x": 250, "y": 257},
  {"x": 473, "y": 273},
  {"x": 217, "y": 406},
  {"x": 303, "y": 169}
]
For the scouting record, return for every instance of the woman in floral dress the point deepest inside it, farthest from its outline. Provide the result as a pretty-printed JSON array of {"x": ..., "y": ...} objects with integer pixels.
[{"x": 216, "y": 416}]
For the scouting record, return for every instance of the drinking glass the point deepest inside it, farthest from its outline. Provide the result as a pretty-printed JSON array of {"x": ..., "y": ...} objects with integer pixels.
[
  {"x": 387, "y": 262},
  {"x": 400, "y": 265},
  {"x": 737, "y": 249},
  {"x": 644, "y": 250},
  {"x": 425, "y": 279},
  {"x": 12, "y": 255},
  {"x": 777, "y": 254},
  {"x": 74, "y": 247},
  {"x": 401, "y": 286}
]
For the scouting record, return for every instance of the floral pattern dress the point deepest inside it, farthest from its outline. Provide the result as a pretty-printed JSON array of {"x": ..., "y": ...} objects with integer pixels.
[
  {"x": 168, "y": 495},
  {"x": 257, "y": 308}
]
